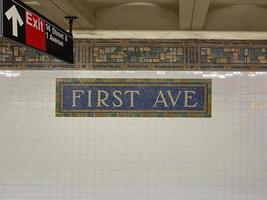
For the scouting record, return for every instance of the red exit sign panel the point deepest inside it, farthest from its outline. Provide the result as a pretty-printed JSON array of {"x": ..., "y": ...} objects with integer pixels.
[{"x": 35, "y": 31}]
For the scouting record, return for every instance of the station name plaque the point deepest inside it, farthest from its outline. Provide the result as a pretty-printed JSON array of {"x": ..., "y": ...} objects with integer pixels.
[{"x": 133, "y": 98}]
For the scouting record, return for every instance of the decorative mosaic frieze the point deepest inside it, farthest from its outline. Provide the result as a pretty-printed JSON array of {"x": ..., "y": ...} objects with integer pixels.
[
  {"x": 138, "y": 54},
  {"x": 234, "y": 55},
  {"x": 110, "y": 55},
  {"x": 133, "y": 98}
]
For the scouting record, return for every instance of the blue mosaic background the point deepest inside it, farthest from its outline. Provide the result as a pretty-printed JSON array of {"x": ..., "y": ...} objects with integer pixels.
[{"x": 144, "y": 101}]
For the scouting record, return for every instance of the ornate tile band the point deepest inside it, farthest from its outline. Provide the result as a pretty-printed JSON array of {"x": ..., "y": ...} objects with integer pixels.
[
  {"x": 133, "y": 98},
  {"x": 140, "y": 54}
]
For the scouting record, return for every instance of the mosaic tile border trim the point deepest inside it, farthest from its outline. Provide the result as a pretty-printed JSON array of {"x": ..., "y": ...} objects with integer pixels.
[
  {"x": 74, "y": 82},
  {"x": 143, "y": 54}
]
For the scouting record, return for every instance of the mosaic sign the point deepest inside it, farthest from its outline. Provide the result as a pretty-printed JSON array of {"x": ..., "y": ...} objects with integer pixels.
[{"x": 133, "y": 98}]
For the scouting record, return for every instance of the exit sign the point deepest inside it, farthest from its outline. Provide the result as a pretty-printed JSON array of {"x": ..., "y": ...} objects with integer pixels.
[{"x": 22, "y": 24}]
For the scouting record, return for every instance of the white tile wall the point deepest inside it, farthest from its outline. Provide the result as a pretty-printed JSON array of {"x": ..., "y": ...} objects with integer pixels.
[{"x": 44, "y": 157}]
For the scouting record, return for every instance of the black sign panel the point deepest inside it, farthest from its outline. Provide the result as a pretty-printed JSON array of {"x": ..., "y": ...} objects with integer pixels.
[{"x": 21, "y": 23}]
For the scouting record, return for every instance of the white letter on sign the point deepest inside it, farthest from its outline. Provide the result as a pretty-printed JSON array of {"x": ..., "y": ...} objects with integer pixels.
[
  {"x": 28, "y": 18},
  {"x": 161, "y": 99},
  {"x": 76, "y": 96},
  {"x": 189, "y": 97}
]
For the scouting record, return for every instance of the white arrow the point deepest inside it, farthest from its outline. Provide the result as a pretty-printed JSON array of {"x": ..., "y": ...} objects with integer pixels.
[{"x": 13, "y": 14}]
